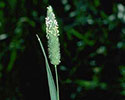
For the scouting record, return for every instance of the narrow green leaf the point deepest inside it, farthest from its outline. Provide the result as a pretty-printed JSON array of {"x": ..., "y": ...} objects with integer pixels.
[
  {"x": 12, "y": 60},
  {"x": 51, "y": 83}
]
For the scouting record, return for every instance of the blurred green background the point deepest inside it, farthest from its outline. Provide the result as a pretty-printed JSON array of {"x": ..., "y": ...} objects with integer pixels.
[{"x": 92, "y": 38}]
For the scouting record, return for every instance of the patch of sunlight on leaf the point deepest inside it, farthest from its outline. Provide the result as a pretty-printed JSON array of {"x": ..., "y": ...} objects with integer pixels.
[
  {"x": 121, "y": 7},
  {"x": 67, "y": 7},
  {"x": 97, "y": 69},
  {"x": 93, "y": 63},
  {"x": 72, "y": 14},
  {"x": 119, "y": 44},
  {"x": 86, "y": 84},
  {"x": 64, "y": 2},
  {"x": 101, "y": 50},
  {"x": 80, "y": 43},
  {"x": 63, "y": 68},
  {"x": 3, "y": 36},
  {"x": 112, "y": 17},
  {"x": 67, "y": 81}
]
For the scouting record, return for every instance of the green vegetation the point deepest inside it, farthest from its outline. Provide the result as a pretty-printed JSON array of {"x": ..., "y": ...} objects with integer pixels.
[{"x": 92, "y": 38}]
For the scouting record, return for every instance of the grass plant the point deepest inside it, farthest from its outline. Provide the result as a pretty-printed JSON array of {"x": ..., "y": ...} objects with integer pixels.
[{"x": 53, "y": 51}]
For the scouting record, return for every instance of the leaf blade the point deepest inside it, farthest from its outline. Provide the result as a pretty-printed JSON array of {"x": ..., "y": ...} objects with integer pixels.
[{"x": 51, "y": 83}]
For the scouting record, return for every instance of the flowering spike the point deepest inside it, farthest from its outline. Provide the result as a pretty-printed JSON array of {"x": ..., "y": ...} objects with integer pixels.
[{"x": 52, "y": 36}]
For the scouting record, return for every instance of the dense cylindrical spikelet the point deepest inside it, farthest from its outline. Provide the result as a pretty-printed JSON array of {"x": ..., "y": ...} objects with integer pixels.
[{"x": 52, "y": 36}]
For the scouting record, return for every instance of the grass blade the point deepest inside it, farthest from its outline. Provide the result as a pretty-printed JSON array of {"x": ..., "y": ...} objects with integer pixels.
[{"x": 51, "y": 83}]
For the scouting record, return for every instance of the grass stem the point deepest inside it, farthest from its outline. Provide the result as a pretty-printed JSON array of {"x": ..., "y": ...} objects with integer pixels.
[{"x": 57, "y": 82}]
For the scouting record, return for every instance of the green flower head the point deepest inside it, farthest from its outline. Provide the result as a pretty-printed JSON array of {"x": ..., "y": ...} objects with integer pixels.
[{"x": 52, "y": 36}]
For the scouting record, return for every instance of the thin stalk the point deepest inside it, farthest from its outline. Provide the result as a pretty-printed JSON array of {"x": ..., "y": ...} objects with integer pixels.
[{"x": 57, "y": 82}]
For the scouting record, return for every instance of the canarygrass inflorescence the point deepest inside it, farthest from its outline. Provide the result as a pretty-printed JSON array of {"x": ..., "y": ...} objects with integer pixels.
[
  {"x": 53, "y": 42},
  {"x": 54, "y": 52},
  {"x": 52, "y": 36}
]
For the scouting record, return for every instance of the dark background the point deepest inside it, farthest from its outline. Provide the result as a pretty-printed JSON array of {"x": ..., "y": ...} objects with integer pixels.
[{"x": 92, "y": 38}]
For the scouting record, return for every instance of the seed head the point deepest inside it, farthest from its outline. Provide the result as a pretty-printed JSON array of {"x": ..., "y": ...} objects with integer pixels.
[{"x": 52, "y": 36}]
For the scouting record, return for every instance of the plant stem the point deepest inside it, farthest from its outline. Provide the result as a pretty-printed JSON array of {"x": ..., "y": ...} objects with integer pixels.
[{"x": 57, "y": 82}]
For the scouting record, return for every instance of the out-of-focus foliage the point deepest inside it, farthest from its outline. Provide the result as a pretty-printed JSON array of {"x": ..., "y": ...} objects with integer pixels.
[{"x": 92, "y": 48}]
